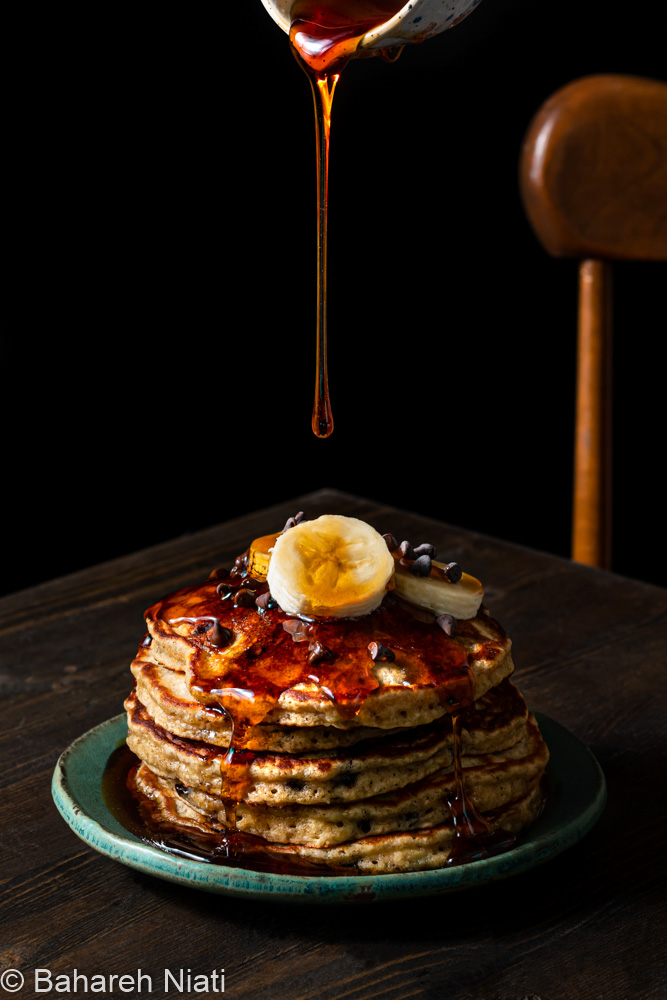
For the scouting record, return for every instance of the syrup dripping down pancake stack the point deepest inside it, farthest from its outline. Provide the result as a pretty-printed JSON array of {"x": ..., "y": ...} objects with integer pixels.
[{"x": 335, "y": 701}]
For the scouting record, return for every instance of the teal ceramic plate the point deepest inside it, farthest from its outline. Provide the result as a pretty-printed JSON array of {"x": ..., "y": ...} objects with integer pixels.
[{"x": 576, "y": 797}]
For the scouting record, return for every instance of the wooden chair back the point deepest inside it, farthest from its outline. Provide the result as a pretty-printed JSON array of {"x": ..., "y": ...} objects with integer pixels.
[{"x": 593, "y": 178}]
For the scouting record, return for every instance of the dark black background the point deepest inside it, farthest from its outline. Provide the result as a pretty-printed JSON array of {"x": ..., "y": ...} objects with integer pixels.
[{"x": 158, "y": 369}]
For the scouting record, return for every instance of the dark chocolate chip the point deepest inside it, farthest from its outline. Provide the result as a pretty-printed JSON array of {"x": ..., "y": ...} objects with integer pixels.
[
  {"x": 291, "y": 522},
  {"x": 364, "y": 826},
  {"x": 391, "y": 541},
  {"x": 425, "y": 549},
  {"x": 295, "y": 784},
  {"x": 297, "y": 629},
  {"x": 265, "y": 601},
  {"x": 406, "y": 550},
  {"x": 348, "y": 779},
  {"x": 240, "y": 566},
  {"x": 453, "y": 572},
  {"x": 218, "y": 635},
  {"x": 244, "y": 598},
  {"x": 223, "y": 590},
  {"x": 317, "y": 652},
  {"x": 255, "y": 650},
  {"x": 147, "y": 640},
  {"x": 380, "y": 652},
  {"x": 447, "y": 623},
  {"x": 181, "y": 789},
  {"x": 421, "y": 566},
  {"x": 216, "y": 574}
]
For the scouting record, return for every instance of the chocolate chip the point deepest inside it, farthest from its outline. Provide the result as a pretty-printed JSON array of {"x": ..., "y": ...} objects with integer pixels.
[
  {"x": 297, "y": 629},
  {"x": 447, "y": 623},
  {"x": 181, "y": 789},
  {"x": 265, "y": 601},
  {"x": 295, "y": 784},
  {"x": 147, "y": 640},
  {"x": 406, "y": 550},
  {"x": 217, "y": 573},
  {"x": 364, "y": 826},
  {"x": 391, "y": 541},
  {"x": 291, "y": 522},
  {"x": 244, "y": 598},
  {"x": 255, "y": 650},
  {"x": 453, "y": 572},
  {"x": 223, "y": 590},
  {"x": 318, "y": 652},
  {"x": 421, "y": 566},
  {"x": 218, "y": 635},
  {"x": 240, "y": 566},
  {"x": 380, "y": 652},
  {"x": 425, "y": 549},
  {"x": 349, "y": 779}
]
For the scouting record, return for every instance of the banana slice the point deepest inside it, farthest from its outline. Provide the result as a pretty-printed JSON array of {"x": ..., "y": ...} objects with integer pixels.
[
  {"x": 435, "y": 592},
  {"x": 259, "y": 556},
  {"x": 332, "y": 567}
]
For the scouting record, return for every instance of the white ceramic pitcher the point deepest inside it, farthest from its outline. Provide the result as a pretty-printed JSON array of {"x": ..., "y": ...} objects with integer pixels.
[{"x": 416, "y": 21}]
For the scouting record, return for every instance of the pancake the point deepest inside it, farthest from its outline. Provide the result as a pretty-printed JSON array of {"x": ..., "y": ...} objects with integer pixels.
[
  {"x": 167, "y": 699},
  {"x": 397, "y": 851},
  {"x": 377, "y": 765},
  {"x": 429, "y": 675},
  {"x": 490, "y": 781},
  {"x": 371, "y": 767}
]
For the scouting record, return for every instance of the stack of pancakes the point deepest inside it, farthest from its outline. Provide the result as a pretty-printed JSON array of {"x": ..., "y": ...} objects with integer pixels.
[{"x": 332, "y": 741}]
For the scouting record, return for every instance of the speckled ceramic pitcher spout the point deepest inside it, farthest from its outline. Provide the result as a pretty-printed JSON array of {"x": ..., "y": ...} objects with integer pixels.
[{"x": 416, "y": 21}]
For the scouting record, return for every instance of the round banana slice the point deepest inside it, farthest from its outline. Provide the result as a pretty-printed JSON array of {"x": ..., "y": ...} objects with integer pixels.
[
  {"x": 332, "y": 567},
  {"x": 437, "y": 593}
]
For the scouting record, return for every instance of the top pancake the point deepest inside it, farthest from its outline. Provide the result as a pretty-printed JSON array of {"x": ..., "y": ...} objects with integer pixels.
[{"x": 265, "y": 666}]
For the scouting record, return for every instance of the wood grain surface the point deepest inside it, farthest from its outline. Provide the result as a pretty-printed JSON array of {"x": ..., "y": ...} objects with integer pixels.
[{"x": 589, "y": 651}]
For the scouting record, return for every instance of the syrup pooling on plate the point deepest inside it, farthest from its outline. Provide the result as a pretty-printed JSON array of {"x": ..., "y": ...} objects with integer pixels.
[
  {"x": 324, "y": 35},
  {"x": 233, "y": 850}
]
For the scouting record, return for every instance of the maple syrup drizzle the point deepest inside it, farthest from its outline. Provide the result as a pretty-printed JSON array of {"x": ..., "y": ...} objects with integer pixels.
[
  {"x": 325, "y": 35},
  {"x": 235, "y": 771},
  {"x": 474, "y": 838}
]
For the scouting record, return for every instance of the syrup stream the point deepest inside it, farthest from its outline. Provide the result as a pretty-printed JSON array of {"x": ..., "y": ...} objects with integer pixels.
[
  {"x": 323, "y": 91},
  {"x": 325, "y": 35}
]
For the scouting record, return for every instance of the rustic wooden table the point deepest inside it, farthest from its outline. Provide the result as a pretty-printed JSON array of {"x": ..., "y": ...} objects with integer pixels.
[{"x": 590, "y": 652}]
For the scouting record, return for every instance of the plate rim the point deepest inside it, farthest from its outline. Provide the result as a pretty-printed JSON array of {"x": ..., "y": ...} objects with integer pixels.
[{"x": 127, "y": 849}]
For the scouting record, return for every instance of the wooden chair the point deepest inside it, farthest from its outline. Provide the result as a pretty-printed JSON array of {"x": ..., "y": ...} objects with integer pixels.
[{"x": 593, "y": 176}]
